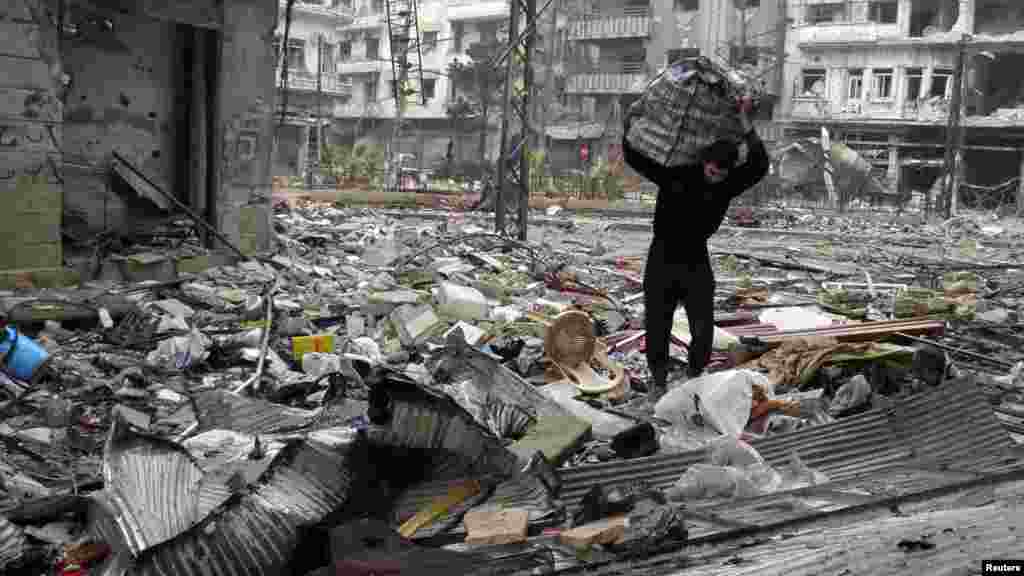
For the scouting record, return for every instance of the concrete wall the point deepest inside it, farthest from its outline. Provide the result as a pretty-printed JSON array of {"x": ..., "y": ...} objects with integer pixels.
[
  {"x": 30, "y": 134},
  {"x": 122, "y": 98},
  {"x": 246, "y": 101}
]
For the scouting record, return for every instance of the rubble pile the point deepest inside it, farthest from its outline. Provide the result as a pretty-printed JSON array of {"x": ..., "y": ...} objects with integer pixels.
[{"x": 383, "y": 395}]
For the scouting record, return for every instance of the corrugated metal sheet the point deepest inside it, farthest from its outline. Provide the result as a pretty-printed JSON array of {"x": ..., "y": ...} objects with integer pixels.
[
  {"x": 962, "y": 539},
  {"x": 420, "y": 419},
  {"x": 255, "y": 533},
  {"x": 939, "y": 426},
  {"x": 12, "y": 544},
  {"x": 151, "y": 492},
  {"x": 220, "y": 409}
]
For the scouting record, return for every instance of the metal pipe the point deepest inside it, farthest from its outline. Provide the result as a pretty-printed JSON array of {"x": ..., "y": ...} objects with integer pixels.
[{"x": 181, "y": 206}]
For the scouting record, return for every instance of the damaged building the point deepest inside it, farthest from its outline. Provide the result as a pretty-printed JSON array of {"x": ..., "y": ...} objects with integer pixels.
[
  {"x": 880, "y": 75},
  {"x": 116, "y": 114}
]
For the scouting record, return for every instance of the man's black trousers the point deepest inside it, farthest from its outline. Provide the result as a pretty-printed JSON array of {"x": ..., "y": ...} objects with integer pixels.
[{"x": 673, "y": 277}]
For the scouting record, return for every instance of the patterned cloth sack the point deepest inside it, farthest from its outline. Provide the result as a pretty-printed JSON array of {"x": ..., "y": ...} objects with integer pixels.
[{"x": 685, "y": 108}]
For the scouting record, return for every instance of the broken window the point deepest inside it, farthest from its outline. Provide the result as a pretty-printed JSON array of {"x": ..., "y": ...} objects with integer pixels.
[
  {"x": 813, "y": 82},
  {"x": 827, "y": 13},
  {"x": 882, "y": 82},
  {"x": 941, "y": 80},
  {"x": 929, "y": 17},
  {"x": 687, "y": 5},
  {"x": 429, "y": 40},
  {"x": 372, "y": 47},
  {"x": 883, "y": 11},
  {"x": 915, "y": 78},
  {"x": 429, "y": 88},
  {"x": 855, "y": 84},
  {"x": 344, "y": 51}
]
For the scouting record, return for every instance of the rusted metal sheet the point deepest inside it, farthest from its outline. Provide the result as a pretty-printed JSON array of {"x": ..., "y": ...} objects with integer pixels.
[
  {"x": 854, "y": 446},
  {"x": 12, "y": 544},
  {"x": 151, "y": 490},
  {"x": 255, "y": 532},
  {"x": 220, "y": 409}
]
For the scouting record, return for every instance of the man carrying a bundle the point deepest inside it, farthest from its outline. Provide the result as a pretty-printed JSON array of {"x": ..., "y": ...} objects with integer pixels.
[{"x": 692, "y": 202}]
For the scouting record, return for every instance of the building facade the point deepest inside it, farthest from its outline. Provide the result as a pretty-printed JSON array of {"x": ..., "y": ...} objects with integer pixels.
[{"x": 880, "y": 75}]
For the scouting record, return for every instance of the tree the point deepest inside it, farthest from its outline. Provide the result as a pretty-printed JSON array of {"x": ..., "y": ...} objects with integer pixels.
[{"x": 480, "y": 84}]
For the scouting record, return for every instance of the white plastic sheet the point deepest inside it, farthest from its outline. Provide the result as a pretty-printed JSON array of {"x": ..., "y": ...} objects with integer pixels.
[{"x": 722, "y": 401}]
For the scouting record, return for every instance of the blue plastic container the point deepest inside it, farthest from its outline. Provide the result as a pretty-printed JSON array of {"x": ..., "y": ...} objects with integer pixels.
[{"x": 22, "y": 356}]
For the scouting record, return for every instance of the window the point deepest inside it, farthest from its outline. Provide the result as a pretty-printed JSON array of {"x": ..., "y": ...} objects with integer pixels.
[
  {"x": 813, "y": 83},
  {"x": 457, "y": 37},
  {"x": 488, "y": 32},
  {"x": 296, "y": 54},
  {"x": 313, "y": 145},
  {"x": 588, "y": 107},
  {"x": 882, "y": 82},
  {"x": 883, "y": 11},
  {"x": 429, "y": 88},
  {"x": 915, "y": 77},
  {"x": 327, "y": 62},
  {"x": 377, "y": 6},
  {"x": 372, "y": 48},
  {"x": 941, "y": 81},
  {"x": 344, "y": 51},
  {"x": 370, "y": 90},
  {"x": 687, "y": 5},
  {"x": 855, "y": 84},
  {"x": 429, "y": 40},
  {"x": 826, "y": 13}
]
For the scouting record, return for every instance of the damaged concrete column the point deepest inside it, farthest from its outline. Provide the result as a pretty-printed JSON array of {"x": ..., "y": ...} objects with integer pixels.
[
  {"x": 246, "y": 125},
  {"x": 892, "y": 173},
  {"x": 31, "y": 109},
  {"x": 1020, "y": 188}
]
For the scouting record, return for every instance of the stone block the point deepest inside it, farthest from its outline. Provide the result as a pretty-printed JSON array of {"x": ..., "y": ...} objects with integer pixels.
[
  {"x": 607, "y": 531},
  {"x": 31, "y": 256},
  {"x": 194, "y": 264},
  {"x": 37, "y": 278},
  {"x": 496, "y": 526},
  {"x": 557, "y": 437}
]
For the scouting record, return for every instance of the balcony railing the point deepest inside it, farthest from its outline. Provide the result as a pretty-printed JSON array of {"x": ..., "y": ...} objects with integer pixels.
[
  {"x": 360, "y": 66},
  {"x": 364, "y": 22},
  {"x": 322, "y": 8},
  {"x": 607, "y": 83},
  {"x": 610, "y": 27},
  {"x": 329, "y": 83}
]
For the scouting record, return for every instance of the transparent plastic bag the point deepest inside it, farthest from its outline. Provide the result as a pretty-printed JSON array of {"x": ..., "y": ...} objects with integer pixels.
[{"x": 721, "y": 401}]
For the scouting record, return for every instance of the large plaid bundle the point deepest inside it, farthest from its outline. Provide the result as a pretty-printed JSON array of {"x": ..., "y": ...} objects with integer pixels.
[{"x": 685, "y": 108}]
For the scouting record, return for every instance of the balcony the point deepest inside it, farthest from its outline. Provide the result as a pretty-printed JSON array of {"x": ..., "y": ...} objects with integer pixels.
[
  {"x": 329, "y": 8},
  {"x": 610, "y": 27},
  {"x": 607, "y": 83},
  {"x": 364, "y": 22},
  {"x": 925, "y": 111},
  {"x": 330, "y": 84},
  {"x": 360, "y": 66},
  {"x": 463, "y": 10}
]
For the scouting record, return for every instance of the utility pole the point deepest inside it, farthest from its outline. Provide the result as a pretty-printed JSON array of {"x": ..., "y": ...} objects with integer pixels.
[
  {"x": 545, "y": 107},
  {"x": 742, "y": 5},
  {"x": 953, "y": 129},
  {"x": 780, "y": 48},
  {"x": 319, "y": 109}
]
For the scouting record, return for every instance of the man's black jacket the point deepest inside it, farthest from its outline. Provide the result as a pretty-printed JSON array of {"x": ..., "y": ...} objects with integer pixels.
[{"x": 689, "y": 209}]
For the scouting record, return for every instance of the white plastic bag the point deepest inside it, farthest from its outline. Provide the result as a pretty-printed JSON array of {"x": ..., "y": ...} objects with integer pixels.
[
  {"x": 729, "y": 451},
  {"x": 722, "y": 401}
]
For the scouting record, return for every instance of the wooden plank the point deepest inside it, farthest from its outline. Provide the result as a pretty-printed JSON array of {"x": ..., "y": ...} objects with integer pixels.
[
  {"x": 31, "y": 106},
  {"x": 19, "y": 39}
]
